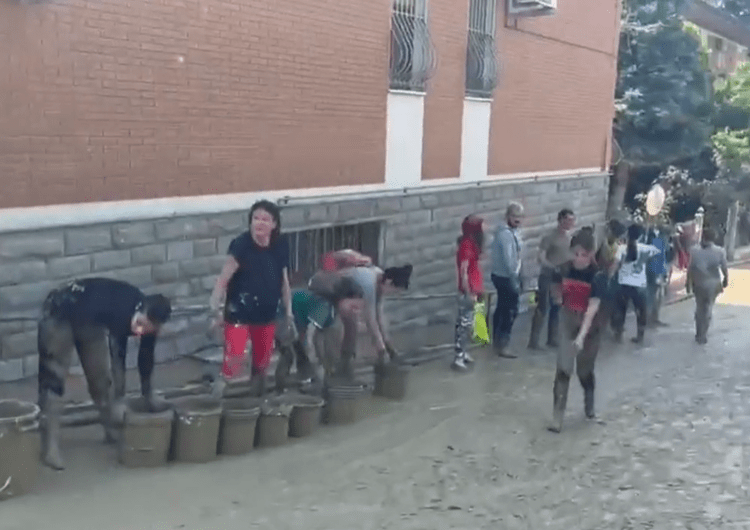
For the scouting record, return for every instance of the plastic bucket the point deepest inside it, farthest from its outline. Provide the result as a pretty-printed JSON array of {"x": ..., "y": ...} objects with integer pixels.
[
  {"x": 306, "y": 414},
  {"x": 391, "y": 381},
  {"x": 273, "y": 423},
  {"x": 146, "y": 435},
  {"x": 345, "y": 403},
  {"x": 196, "y": 434},
  {"x": 239, "y": 420},
  {"x": 20, "y": 445}
]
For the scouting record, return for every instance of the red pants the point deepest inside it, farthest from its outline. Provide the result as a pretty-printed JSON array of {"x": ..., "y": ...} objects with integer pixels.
[{"x": 236, "y": 336}]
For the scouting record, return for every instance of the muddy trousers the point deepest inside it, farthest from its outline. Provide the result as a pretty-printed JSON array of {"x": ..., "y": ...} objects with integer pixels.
[
  {"x": 654, "y": 297},
  {"x": 568, "y": 357},
  {"x": 705, "y": 298},
  {"x": 544, "y": 306},
  {"x": 236, "y": 337},
  {"x": 464, "y": 323},
  {"x": 289, "y": 354},
  {"x": 626, "y": 294},
  {"x": 102, "y": 358},
  {"x": 506, "y": 311}
]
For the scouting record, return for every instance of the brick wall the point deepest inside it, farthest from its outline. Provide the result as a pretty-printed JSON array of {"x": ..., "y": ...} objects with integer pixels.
[
  {"x": 553, "y": 107},
  {"x": 444, "y": 103},
  {"x": 181, "y": 257},
  {"x": 103, "y": 100}
]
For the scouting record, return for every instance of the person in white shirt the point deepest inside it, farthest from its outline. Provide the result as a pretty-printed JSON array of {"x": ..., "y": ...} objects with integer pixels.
[{"x": 633, "y": 258}]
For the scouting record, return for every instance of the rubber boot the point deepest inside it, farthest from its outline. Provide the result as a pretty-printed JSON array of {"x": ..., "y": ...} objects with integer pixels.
[
  {"x": 344, "y": 368},
  {"x": 560, "y": 400},
  {"x": 50, "y": 430},
  {"x": 281, "y": 375},
  {"x": 638, "y": 339},
  {"x": 305, "y": 369},
  {"x": 257, "y": 382},
  {"x": 537, "y": 321},
  {"x": 588, "y": 395}
]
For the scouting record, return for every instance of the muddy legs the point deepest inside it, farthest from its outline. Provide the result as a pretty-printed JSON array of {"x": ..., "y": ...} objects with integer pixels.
[
  {"x": 587, "y": 382},
  {"x": 560, "y": 400}
]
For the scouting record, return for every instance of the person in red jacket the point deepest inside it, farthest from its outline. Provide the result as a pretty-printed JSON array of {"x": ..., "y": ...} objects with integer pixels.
[{"x": 470, "y": 284}]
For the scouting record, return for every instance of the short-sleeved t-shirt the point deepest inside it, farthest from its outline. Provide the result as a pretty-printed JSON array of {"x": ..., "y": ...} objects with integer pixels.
[
  {"x": 309, "y": 308},
  {"x": 581, "y": 285},
  {"x": 367, "y": 279},
  {"x": 633, "y": 273},
  {"x": 98, "y": 301},
  {"x": 556, "y": 247},
  {"x": 254, "y": 292},
  {"x": 468, "y": 251}
]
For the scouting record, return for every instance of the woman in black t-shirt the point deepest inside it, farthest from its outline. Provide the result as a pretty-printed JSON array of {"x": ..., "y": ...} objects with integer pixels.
[
  {"x": 579, "y": 287},
  {"x": 254, "y": 279}
]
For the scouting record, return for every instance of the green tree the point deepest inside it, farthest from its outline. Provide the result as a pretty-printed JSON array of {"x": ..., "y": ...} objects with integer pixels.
[
  {"x": 664, "y": 96},
  {"x": 731, "y": 140}
]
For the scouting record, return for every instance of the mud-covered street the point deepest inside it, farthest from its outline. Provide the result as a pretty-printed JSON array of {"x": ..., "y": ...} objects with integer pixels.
[{"x": 669, "y": 450}]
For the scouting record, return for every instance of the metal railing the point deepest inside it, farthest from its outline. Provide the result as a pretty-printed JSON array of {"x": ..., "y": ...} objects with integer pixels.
[
  {"x": 481, "y": 55},
  {"x": 307, "y": 247},
  {"x": 413, "y": 59}
]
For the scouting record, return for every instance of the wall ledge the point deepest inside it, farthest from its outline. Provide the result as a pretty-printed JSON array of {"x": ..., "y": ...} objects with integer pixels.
[{"x": 83, "y": 214}]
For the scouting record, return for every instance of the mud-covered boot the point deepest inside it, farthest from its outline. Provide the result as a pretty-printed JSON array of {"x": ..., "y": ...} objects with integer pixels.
[
  {"x": 344, "y": 369},
  {"x": 638, "y": 339},
  {"x": 537, "y": 321},
  {"x": 281, "y": 375},
  {"x": 305, "y": 368},
  {"x": 257, "y": 382},
  {"x": 50, "y": 431},
  {"x": 588, "y": 395},
  {"x": 560, "y": 400}
]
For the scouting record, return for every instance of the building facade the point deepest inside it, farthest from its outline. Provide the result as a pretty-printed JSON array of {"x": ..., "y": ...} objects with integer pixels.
[
  {"x": 725, "y": 39},
  {"x": 134, "y": 137}
]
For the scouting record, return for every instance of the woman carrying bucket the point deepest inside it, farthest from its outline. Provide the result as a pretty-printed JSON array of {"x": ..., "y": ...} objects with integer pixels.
[
  {"x": 470, "y": 285},
  {"x": 254, "y": 279}
]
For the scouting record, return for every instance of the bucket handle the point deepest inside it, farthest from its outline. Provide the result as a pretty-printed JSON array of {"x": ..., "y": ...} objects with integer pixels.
[
  {"x": 30, "y": 427},
  {"x": 7, "y": 484}
]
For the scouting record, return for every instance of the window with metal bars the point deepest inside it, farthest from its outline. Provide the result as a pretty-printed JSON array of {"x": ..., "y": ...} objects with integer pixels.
[
  {"x": 481, "y": 54},
  {"x": 307, "y": 247},
  {"x": 413, "y": 58}
]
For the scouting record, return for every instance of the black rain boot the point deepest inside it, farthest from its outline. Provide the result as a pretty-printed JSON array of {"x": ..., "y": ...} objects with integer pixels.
[
  {"x": 588, "y": 395},
  {"x": 560, "y": 400},
  {"x": 553, "y": 332}
]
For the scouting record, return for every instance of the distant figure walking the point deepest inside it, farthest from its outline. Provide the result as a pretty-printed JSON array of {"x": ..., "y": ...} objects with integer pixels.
[{"x": 708, "y": 276}]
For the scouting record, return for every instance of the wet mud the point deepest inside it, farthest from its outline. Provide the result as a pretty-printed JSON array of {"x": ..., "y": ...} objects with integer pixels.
[{"x": 668, "y": 450}]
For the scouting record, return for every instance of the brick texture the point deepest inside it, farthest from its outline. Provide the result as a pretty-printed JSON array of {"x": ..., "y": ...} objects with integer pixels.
[
  {"x": 553, "y": 107},
  {"x": 112, "y": 100},
  {"x": 419, "y": 228},
  {"x": 444, "y": 103}
]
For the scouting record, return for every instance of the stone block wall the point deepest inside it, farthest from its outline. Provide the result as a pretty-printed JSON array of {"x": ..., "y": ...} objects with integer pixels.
[{"x": 181, "y": 257}]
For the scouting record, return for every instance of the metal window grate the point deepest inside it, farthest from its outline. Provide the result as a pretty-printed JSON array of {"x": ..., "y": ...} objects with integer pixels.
[
  {"x": 307, "y": 247},
  {"x": 413, "y": 59},
  {"x": 481, "y": 55}
]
